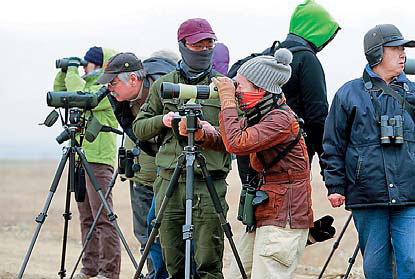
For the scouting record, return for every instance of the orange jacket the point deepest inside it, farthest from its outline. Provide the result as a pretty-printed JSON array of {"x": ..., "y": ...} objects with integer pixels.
[{"x": 287, "y": 183}]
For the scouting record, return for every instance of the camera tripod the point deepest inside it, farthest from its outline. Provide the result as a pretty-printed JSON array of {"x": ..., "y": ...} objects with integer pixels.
[
  {"x": 69, "y": 153},
  {"x": 186, "y": 160},
  {"x": 335, "y": 246}
]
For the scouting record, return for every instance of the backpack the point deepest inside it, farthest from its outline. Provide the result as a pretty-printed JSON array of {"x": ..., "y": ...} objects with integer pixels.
[
  {"x": 156, "y": 67},
  {"x": 269, "y": 51}
]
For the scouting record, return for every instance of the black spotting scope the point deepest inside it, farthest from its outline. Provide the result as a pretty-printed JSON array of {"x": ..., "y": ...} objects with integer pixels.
[{"x": 84, "y": 100}]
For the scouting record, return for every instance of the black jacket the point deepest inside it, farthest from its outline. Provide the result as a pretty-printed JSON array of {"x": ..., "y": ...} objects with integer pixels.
[{"x": 307, "y": 96}]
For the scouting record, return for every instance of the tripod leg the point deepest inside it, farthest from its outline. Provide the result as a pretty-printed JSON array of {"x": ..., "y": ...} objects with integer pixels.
[
  {"x": 40, "y": 219},
  {"x": 111, "y": 216},
  {"x": 219, "y": 210},
  {"x": 188, "y": 227},
  {"x": 351, "y": 261},
  {"x": 156, "y": 227},
  {"x": 335, "y": 246},
  {"x": 91, "y": 230},
  {"x": 67, "y": 215}
]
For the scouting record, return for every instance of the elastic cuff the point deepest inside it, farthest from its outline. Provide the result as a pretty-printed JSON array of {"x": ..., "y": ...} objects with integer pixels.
[
  {"x": 228, "y": 104},
  {"x": 337, "y": 189}
]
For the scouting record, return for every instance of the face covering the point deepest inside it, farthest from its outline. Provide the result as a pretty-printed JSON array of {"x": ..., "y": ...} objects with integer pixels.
[
  {"x": 248, "y": 100},
  {"x": 197, "y": 61}
]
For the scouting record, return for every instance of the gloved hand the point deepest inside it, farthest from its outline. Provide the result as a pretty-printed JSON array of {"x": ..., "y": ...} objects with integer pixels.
[
  {"x": 322, "y": 230},
  {"x": 74, "y": 61},
  {"x": 226, "y": 91},
  {"x": 200, "y": 133}
]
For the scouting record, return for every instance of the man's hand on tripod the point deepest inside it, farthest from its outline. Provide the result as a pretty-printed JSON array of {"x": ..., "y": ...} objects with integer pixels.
[
  {"x": 167, "y": 119},
  {"x": 200, "y": 133}
]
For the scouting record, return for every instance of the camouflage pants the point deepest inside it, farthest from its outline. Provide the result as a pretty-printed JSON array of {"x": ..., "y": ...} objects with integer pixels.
[{"x": 207, "y": 234}]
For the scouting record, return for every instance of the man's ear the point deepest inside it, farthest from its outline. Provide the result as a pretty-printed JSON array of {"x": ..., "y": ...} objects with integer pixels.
[{"x": 133, "y": 79}]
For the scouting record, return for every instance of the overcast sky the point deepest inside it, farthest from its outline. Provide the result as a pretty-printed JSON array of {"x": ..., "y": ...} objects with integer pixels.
[{"x": 35, "y": 33}]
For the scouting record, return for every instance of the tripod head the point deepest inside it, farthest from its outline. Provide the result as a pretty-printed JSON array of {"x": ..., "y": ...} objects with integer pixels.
[{"x": 192, "y": 112}]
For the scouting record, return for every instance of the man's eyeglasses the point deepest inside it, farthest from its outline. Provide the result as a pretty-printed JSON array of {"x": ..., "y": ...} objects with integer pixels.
[{"x": 200, "y": 46}]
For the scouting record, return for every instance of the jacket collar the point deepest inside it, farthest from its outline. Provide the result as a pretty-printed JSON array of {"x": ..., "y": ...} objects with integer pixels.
[{"x": 401, "y": 78}]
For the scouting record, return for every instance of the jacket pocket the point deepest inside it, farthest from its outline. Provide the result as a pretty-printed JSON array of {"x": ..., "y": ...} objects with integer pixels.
[
  {"x": 211, "y": 109},
  {"x": 359, "y": 168},
  {"x": 271, "y": 208},
  {"x": 170, "y": 105}
]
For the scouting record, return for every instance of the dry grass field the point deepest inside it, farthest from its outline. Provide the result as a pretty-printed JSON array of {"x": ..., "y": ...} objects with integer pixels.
[{"x": 24, "y": 187}]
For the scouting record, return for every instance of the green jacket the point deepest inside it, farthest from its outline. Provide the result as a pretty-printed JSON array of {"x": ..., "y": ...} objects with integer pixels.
[
  {"x": 149, "y": 123},
  {"x": 313, "y": 23},
  {"x": 103, "y": 149}
]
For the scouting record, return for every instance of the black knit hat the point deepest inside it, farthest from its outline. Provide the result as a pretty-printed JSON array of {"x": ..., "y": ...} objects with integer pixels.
[{"x": 95, "y": 55}]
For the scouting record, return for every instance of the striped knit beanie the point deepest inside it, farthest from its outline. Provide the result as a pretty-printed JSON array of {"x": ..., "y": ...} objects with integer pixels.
[{"x": 268, "y": 72}]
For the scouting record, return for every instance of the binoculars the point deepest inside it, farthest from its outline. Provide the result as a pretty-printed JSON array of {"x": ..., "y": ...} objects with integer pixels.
[
  {"x": 391, "y": 129},
  {"x": 127, "y": 161},
  {"x": 63, "y": 63},
  {"x": 171, "y": 90},
  {"x": 249, "y": 199}
]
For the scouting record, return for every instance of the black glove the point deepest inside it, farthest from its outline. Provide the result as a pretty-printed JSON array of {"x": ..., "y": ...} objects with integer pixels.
[{"x": 322, "y": 230}]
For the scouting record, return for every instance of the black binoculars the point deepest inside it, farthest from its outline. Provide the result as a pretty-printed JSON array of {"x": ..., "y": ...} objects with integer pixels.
[
  {"x": 64, "y": 62},
  {"x": 391, "y": 129},
  {"x": 128, "y": 161}
]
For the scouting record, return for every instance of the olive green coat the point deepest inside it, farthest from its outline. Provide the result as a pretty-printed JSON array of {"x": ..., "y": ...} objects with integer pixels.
[{"x": 149, "y": 123}]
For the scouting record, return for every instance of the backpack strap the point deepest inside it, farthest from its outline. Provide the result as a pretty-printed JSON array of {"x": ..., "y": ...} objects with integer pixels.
[
  {"x": 283, "y": 153},
  {"x": 369, "y": 82}
]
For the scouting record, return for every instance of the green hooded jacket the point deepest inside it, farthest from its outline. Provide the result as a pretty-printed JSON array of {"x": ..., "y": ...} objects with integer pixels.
[
  {"x": 103, "y": 149},
  {"x": 149, "y": 123},
  {"x": 313, "y": 23}
]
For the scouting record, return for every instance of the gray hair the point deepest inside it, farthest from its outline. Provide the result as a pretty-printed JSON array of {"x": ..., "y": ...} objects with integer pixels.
[{"x": 125, "y": 77}]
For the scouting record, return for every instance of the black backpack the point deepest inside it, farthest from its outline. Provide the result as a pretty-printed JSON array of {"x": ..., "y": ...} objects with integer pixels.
[
  {"x": 269, "y": 51},
  {"x": 156, "y": 67}
]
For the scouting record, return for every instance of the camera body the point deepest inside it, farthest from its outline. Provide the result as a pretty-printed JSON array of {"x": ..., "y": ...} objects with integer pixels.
[{"x": 391, "y": 129}]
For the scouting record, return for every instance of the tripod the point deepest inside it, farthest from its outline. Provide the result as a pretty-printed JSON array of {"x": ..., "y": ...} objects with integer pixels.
[
  {"x": 336, "y": 245},
  {"x": 74, "y": 126},
  {"x": 191, "y": 153},
  {"x": 91, "y": 230}
]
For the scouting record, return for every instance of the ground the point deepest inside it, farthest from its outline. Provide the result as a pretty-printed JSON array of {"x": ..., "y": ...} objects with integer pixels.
[{"x": 25, "y": 186}]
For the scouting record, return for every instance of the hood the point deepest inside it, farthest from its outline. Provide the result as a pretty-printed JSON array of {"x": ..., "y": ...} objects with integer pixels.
[
  {"x": 313, "y": 23},
  {"x": 220, "y": 58}
]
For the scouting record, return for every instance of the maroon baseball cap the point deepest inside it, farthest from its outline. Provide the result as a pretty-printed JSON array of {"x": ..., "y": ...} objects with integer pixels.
[{"x": 194, "y": 30}]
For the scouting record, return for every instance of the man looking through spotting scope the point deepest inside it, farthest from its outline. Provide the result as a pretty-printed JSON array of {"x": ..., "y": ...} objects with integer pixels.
[
  {"x": 129, "y": 81},
  {"x": 196, "y": 42},
  {"x": 102, "y": 257}
]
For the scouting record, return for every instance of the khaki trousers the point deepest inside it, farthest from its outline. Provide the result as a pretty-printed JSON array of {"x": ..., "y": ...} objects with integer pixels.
[{"x": 270, "y": 252}]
